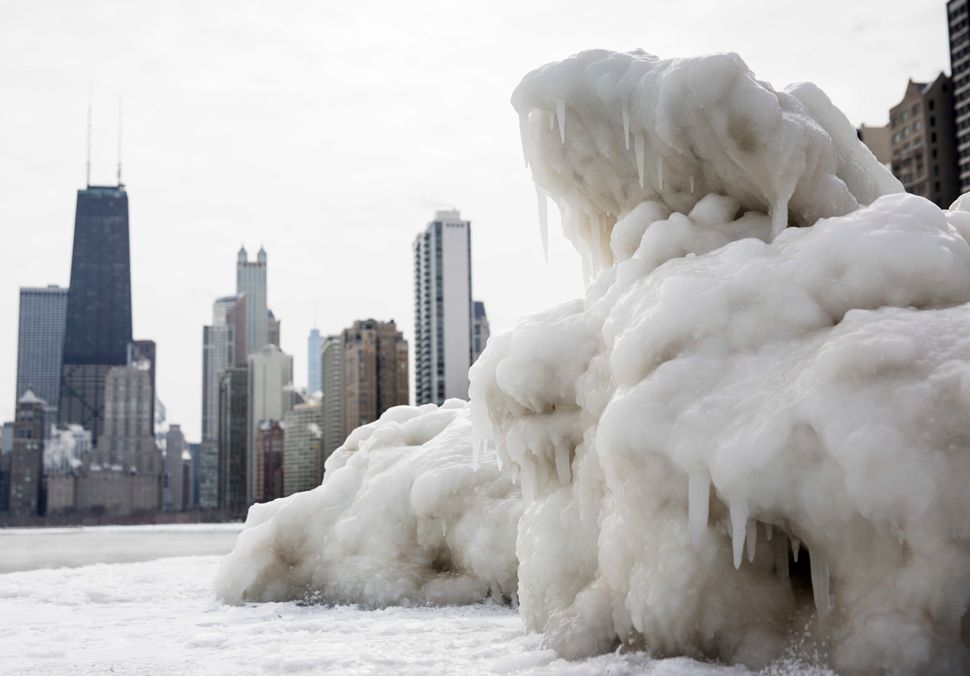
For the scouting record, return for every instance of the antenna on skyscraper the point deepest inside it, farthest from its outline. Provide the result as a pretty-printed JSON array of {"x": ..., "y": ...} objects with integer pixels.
[
  {"x": 88, "y": 177},
  {"x": 119, "y": 142}
]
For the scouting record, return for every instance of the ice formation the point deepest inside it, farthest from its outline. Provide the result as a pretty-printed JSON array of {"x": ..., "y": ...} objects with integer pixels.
[
  {"x": 744, "y": 434},
  {"x": 402, "y": 518},
  {"x": 731, "y": 387}
]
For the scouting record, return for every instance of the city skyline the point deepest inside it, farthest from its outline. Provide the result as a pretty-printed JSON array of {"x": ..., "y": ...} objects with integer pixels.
[{"x": 197, "y": 192}]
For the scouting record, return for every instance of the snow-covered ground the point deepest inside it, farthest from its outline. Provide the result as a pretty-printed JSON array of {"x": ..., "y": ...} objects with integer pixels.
[{"x": 160, "y": 616}]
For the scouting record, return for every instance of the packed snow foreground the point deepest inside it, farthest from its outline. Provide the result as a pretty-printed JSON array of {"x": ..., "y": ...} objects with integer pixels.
[{"x": 745, "y": 432}]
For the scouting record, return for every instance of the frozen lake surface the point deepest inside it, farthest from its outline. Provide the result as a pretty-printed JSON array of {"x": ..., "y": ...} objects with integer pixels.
[{"x": 160, "y": 616}]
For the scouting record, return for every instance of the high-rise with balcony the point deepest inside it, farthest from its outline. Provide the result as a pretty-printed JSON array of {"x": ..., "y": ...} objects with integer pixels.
[
  {"x": 443, "y": 309},
  {"x": 97, "y": 332},
  {"x": 40, "y": 343}
]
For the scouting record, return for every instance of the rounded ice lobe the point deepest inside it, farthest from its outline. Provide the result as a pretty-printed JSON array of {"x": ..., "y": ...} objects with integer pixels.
[{"x": 402, "y": 517}]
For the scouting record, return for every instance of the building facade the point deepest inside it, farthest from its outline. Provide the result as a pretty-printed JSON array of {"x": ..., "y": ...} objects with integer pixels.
[
  {"x": 268, "y": 449},
  {"x": 332, "y": 377},
  {"x": 97, "y": 331},
  {"x": 270, "y": 398},
  {"x": 232, "y": 439},
  {"x": 958, "y": 22},
  {"x": 303, "y": 456},
  {"x": 480, "y": 330},
  {"x": 443, "y": 309},
  {"x": 128, "y": 438},
  {"x": 40, "y": 343},
  {"x": 375, "y": 365},
  {"x": 175, "y": 472},
  {"x": 924, "y": 158},
  {"x": 27, "y": 457}
]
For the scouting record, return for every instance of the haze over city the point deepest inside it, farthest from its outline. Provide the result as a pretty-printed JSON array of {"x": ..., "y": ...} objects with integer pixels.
[{"x": 329, "y": 134}]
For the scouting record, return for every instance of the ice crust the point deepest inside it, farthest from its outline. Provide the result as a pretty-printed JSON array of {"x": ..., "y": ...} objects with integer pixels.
[
  {"x": 402, "y": 518},
  {"x": 744, "y": 436}
]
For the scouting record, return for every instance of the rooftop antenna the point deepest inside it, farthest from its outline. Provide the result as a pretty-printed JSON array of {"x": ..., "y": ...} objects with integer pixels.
[
  {"x": 119, "y": 141},
  {"x": 88, "y": 177}
]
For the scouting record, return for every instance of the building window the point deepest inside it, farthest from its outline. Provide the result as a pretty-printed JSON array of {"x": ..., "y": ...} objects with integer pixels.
[
  {"x": 929, "y": 106},
  {"x": 917, "y": 125},
  {"x": 915, "y": 110},
  {"x": 933, "y": 137}
]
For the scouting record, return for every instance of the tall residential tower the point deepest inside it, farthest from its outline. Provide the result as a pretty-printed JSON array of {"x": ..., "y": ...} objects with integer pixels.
[
  {"x": 443, "y": 309},
  {"x": 40, "y": 343}
]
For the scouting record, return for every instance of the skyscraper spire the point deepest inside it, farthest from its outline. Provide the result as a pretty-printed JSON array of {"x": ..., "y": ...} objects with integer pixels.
[{"x": 119, "y": 141}]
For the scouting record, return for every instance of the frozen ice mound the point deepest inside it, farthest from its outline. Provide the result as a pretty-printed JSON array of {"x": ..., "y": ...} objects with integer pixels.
[
  {"x": 402, "y": 517},
  {"x": 745, "y": 433}
]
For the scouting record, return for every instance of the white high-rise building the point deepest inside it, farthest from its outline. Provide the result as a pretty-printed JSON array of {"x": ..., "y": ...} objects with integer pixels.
[
  {"x": 251, "y": 282},
  {"x": 314, "y": 344},
  {"x": 270, "y": 398},
  {"x": 443, "y": 309}
]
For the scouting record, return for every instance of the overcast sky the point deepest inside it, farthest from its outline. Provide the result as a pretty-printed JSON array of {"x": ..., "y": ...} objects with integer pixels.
[{"x": 329, "y": 132}]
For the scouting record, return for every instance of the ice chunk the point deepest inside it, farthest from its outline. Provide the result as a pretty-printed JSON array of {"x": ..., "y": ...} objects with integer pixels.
[
  {"x": 769, "y": 528},
  {"x": 795, "y": 546}
]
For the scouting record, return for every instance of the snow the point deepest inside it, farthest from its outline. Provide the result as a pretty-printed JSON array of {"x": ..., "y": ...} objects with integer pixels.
[
  {"x": 160, "y": 616},
  {"x": 771, "y": 351}
]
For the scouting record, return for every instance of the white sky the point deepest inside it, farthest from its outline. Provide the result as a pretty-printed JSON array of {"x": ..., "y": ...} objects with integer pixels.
[{"x": 330, "y": 131}]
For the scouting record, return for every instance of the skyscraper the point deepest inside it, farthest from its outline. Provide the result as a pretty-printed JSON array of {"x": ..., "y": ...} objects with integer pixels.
[
  {"x": 332, "y": 367},
  {"x": 375, "y": 362},
  {"x": 314, "y": 343},
  {"x": 219, "y": 344},
  {"x": 270, "y": 390},
  {"x": 233, "y": 409},
  {"x": 98, "y": 325},
  {"x": 251, "y": 282},
  {"x": 128, "y": 438},
  {"x": 40, "y": 343},
  {"x": 443, "y": 309},
  {"x": 175, "y": 474},
  {"x": 303, "y": 448},
  {"x": 268, "y": 457},
  {"x": 27, "y": 457},
  {"x": 480, "y": 330},
  {"x": 958, "y": 21}
]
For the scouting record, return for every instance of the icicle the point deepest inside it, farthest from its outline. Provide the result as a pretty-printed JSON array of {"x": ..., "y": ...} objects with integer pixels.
[
  {"x": 690, "y": 182},
  {"x": 779, "y": 217},
  {"x": 820, "y": 585},
  {"x": 638, "y": 148},
  {"x": 542, "y": 203},
  {"x": 780, "y": 550},
  {"x": 660, "y": 172},
  {"x": 444, "y": 530},
  {"x": 561, "y": 118},
  {"x": 562, "y": 465},
  {"x": 552, "y": 123},
  {"x": 595, "y": 240},
  {"x": 768, "y": 531},
  {"x": 526, "y": 136},
  {"x": 751, "y": 539},
  {"x": 528, "y": 480},
  {"x": 795, "y": 544},
  {"x": 739, "y": 526},
  {"x": 698, "y": 504},
  {"x": 476, "y": 444},
  {"x": 626, "y": 127}
]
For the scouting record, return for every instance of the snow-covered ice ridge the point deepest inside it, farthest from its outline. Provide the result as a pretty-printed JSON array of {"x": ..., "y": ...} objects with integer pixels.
[{"x": 744, "y": 434}]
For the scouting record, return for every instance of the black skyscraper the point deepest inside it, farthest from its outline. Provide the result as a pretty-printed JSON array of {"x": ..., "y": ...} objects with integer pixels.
[{"x": 98, "y": 329}]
